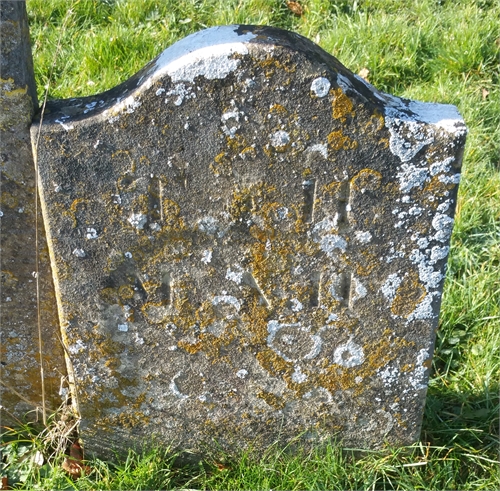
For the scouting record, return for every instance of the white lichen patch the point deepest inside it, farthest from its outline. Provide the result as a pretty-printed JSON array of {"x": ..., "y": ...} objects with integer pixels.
[
  {"x": 321, "y": 148},
  {"x": 407, "y": 137},
  {"x": 411, "y": 176},
  {"x": 234, "y": 114},
  {"x": 443, "y": 166},
  {"x": 349, "y": 355},
  {"x": 230, "y": 122},
  {"x": 422, "y": 242},
  {"x": 418, "y": 376},
  {"x": 129, "y": 105},
  {"x": 128, "y": 312},
  {"x": 415, "y": 211},
  {"x": 438, "y": 253},
  {"x": 424, "y": 309},
  {"x": 317, "y": 345},
  {"x": 443, "y": 224},
  {"x": 236, "y": 276},
  {"x": 282, "y": 212},
  {"x": 427, "y": 275},
  {"x": 138, "y": 220},
  {"x": 326, "y": 225},
  {"x": 206, "y": 256},
  {"x": 273, "y": 328},
  {"x": 209, "y": 53},
  {"x": 320, "y": 86},
  {"x": 210, "y": 226},
  {"x": 77, "y": 347},
  {"x": 91, "y": 233},
  {"x": 360, "y": 290},
  {"x": 242, "y": 373},
  {"x": 228, "y": 299},
  {"x": 390, "y": 286},
  {"x": 182, "y": 92},
  {"x": 296, "y": 305},
  {"x": 389, "y": 375},
  {"x": 329, "y": 243},
  {"x": 79, "y": 253},
  {"x": 279, "y": 139},
  {"x": 454, "y": 179},
  {"x": 298, "y": 376},
  {"x": 363, "y": 237},
  {"x": 175, "y": 390}
]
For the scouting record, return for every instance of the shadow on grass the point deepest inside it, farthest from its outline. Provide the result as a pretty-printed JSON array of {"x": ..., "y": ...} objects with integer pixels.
[{"x": 463, "y": 419}]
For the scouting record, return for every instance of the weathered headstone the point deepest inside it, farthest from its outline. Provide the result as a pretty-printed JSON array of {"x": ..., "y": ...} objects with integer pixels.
[
  {"x": 249, "y": 244},
  {"x": 21, "y": 389}
]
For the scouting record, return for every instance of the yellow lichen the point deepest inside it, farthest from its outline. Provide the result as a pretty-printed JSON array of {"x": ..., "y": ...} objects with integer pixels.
[
  {"x": 270, "y": 64},
  {"x": 172, "y": 218},
  {"x": 375, "y": 123},
  {"x": 378, "y": 355},
  {"x": 408, "y": 295},
  {"x": 277, "y": 109},
  {"x": 119, "y": 153},
  {"x": 366, "y": 179},
  {"x": 271, "y": 399},
  {"x": 338, "y": 141},
  {"x": 190, "y": 348},
  {"x": 342, "y": 106}
]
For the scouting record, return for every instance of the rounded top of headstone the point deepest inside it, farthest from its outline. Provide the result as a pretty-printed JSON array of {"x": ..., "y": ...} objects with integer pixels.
[
  {"x": 215, "y": 53},
  {"x": 218, "y": 52}
]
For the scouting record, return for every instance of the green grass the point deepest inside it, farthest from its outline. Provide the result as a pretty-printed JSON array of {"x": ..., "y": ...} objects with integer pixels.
[{"x": 433, "y": 50}]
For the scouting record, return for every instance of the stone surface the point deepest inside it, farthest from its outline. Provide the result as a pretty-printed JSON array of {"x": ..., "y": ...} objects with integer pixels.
[
  {"x": 249, "y": 243},
  {"x": 21, "y": 387}
]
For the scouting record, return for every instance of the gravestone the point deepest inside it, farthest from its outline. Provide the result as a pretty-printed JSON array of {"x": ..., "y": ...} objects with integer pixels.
[
  {"x": 249, "y": 245},
  {"x": 27, "y": 382}
]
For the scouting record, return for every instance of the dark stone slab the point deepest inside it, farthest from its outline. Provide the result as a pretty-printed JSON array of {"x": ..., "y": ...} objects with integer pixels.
[
  {"x": 249, "y": 244},
  {"x": 21, "y": 388}
]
